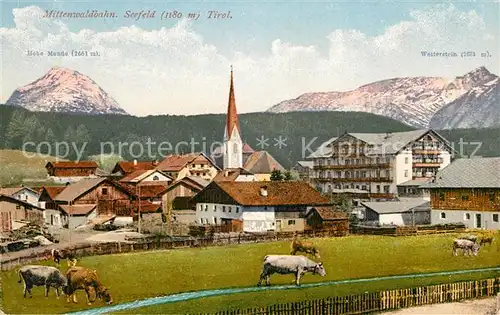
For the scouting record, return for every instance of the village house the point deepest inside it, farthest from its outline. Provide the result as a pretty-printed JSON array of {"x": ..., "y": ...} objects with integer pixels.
[
  {"x": 13, "y": 210},
  {"x": 379, "y": 162},
  {"x": 413, "y": 189},
  {"x": 68, "y": 171},
  {"x": 52, "y": 214},
  {"x": 327, "y": 219},
  {"x": 262, "y": 164},
  {"x": 186, "y": 165},
  {"x": 407, "y": 211},
  {"x": 467, "y": 191},
  {"x": 235, "y": 175},
  {"x": 25, "y": 194},
  {"x": 124, "y": 168},
  {"x": 304, "y": 169},
  {"x": 256, "y": 205},
  {"x": 93, "y": 197},
  {"x": 147, "y": 177}
]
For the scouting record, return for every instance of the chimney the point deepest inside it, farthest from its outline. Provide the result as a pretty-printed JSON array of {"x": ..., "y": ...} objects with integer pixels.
[
  {"x": 263, "y": 191},
  {"x": 135, "y": 162}
]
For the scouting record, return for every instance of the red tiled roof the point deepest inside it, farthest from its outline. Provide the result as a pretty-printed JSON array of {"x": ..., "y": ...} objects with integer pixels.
[
  {"x": 278, "y": 193},
  {"x": 53, "y": 191},
  {"x": 146, "y": 207},
  {"x": 78, "y": 209},
  {"x": 175, "y": 163},
  {"x": 329, "y": 213},
  {"x": 145, "y": 191},
  {"x": 80, "y": 164},
  {"x": 129, "y": 166}
]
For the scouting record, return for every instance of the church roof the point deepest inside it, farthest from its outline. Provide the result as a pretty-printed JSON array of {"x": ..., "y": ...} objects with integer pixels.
[
  {"x": 261, "y": 162},
  {"x": 232, "y": 115}
]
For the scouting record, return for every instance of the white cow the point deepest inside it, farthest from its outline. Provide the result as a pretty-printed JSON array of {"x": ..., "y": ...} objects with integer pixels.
[
  {"x": 468, "y": 247},
  {"x": 289, "y": 264}
]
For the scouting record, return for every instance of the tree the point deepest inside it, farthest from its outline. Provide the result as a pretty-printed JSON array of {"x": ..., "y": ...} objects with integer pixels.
[
  {"x": 276, "y": 175},
  {"x": 287, "y": 176}
]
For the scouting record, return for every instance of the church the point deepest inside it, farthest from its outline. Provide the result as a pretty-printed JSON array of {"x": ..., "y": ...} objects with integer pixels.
[{"x": 237, "y": 157}]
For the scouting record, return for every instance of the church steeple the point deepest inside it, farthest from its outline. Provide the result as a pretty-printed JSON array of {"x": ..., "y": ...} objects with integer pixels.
[
  {"x": 233, "y": 145},
  {"x": 232, "y": 115}
]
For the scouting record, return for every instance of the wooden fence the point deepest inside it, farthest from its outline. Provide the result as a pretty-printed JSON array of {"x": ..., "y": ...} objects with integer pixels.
[
  {"x": 155, "y": 243},
  {"x": 381, "y": 301},
  {"x": 407, "y": 230}
]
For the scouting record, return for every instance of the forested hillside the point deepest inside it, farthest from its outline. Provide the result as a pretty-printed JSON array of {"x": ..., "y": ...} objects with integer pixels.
[{"x": 300, "y": 132}]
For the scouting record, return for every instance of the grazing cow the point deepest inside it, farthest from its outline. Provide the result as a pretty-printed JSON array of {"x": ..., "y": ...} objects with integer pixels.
[
  {"x": 468, "y": 247},
  {"x": 288, "y": 264},
  {"x": 486, "y": 239},
  {"x": 470, "y": 237},
  {"x": 304, "y": 247},
  {"x": 36, "y": 275},
  {"x": 80, "y": 278},
  {"x": 57, "y": 255}
]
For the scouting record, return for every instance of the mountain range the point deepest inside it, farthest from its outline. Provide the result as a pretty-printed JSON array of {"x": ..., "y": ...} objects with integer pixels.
[
  {"x": 65, "y": 90},
  {"x": 467, "y": 101}
]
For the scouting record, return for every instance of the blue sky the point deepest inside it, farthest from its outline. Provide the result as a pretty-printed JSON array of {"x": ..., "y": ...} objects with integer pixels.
[{"x": 300, "y": 40}]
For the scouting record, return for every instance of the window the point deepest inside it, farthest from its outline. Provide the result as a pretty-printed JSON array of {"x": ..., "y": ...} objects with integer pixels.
[
  {"x": 443, "y": 215},
  {"x": 206, "y": 207},
  {"x": 467, "y": 216},
  {"x": 406, "y": 173},
  {"x": 237, "y": 209},
  {"x": 223, "y": 208},
  {"x": 386, "y": 189},
  {"x": 229, "y": 209},
  {"x": 465, "y": 198},
  {"x": 291, "y": 222},
  {"x": 492, "y": 197},
  {"x": 215, "y": 220},
  {"x": 156, "y": 177},
  {"x": 495, "y": 217},
  {"x": 201, "y": 207},
  {"x": 215, "y": 208},
  {"x": 378, "y": 188},
  {"x": 18, "y": 206},
  {"x": 441, "y": 196},
  {"x": 104, "y": 191},
  {"x": 406, "y": 160}
]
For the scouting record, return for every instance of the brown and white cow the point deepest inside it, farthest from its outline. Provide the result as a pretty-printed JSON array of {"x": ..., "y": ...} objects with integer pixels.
[
  {"x": 67, "y": 254},
  {"x": 80, "y": 278},
  {"x": 304, "y": 247}
]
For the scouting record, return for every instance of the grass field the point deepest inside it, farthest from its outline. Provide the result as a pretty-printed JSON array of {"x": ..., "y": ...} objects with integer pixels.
[
  {"x": 16, "y": 166},
  {"x": 149, "y": 274}
]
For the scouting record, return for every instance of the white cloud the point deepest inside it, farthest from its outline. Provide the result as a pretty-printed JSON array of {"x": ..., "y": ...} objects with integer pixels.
[{"x": 174, "y": 71}]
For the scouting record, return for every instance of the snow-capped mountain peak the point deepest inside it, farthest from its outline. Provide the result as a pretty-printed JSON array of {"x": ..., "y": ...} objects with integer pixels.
[{"x": 65, "y": 90}]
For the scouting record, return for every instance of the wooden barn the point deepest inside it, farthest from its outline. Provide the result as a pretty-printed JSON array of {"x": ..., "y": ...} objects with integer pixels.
[
  {"x": 71, "y": 169},
  {"x": 326, "y": 219}
]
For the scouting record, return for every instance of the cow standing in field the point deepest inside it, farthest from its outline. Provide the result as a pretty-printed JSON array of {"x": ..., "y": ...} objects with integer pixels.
[
  {"x": 486, "y": 239},
  {"x": 304, "y": 247},
  {"x": 468, "y": 247},
  {"x": 35, "y": 275},
  {"x": 80, "y": 278},
  {"x": 57, "y": 255},
  {"x": 289, "y": 264}
]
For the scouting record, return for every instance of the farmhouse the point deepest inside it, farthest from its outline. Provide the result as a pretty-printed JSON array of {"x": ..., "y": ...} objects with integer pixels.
[
  {"x": 25, "y": 194},
  {"x": 413, "y": 189},
  {"x": 326, "y": 218},
  {"x": 409, "y": 211},
  {"x": 53, "y": 215},
  {"x": 12, "y": 209},
  {"x": 127, "y": 167},
  {"x": 235, "y": 175},
  {"x": 192, "y": 164},
  {"x": 65, "y": 172},
  {"x": 147, "y": 177},
  {"x": 378, "y": 162},
  {"x": 259, "y": 205},
  {"x": 109, "y": 198},
  {"x": 467, "y": 191}
]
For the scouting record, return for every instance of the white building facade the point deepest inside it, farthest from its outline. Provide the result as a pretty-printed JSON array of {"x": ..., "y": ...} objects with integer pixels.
[{"x": 377, "y": 163}]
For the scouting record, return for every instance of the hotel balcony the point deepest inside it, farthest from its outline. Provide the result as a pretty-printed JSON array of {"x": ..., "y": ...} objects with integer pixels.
[
  {"x": 426, "y": 164},
  {"x": 434, "y": 151},
  {"x": 355, "y": 180},
  {"x": 351, "y": 166}
]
